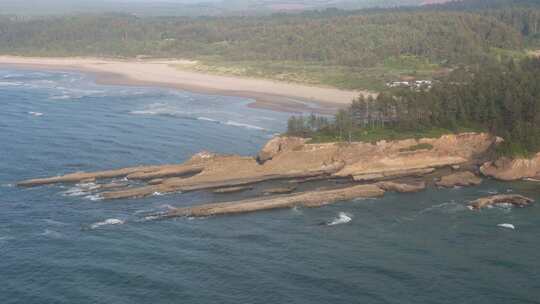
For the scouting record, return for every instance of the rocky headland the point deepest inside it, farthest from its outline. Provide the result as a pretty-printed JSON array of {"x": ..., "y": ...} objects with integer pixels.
[{"x": 346, "y": 171}]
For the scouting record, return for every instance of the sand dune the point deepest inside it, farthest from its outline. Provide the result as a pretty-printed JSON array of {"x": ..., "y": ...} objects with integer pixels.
[{"x": 266, "y": 93}]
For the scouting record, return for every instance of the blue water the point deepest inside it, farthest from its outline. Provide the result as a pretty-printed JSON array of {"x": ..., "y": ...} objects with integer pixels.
[{"x": 56, "y": 245}]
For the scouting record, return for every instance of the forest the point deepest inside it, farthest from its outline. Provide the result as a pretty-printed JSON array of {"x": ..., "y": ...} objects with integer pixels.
[
  {"x": 380, "y": 43},
  {"x": 503, "y": 99}
]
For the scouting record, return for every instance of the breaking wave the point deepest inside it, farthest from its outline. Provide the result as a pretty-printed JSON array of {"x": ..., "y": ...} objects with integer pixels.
[
  {"x": 51, "y": 233},
  {"x": 35, "y": 113},
  {"x": 343, "y": 218},
  {"x": 10, "y": 84},
  {"x": 163, "y": 109},
  {"x": 111, "y": 221},
  {"x": 243, "y": 125},
  {"x": 507, "y": 226},
  {"x": 81, "y": 189}
]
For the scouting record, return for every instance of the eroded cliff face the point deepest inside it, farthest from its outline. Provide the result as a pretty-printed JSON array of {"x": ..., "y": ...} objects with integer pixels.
[
  {"x": 508, "y": 169},
  {"x": 293, "y": 158}
]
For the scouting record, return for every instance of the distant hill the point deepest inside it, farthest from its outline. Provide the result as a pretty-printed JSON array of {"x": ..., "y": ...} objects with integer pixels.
[
  {"x": 191, "y": 8},
  {"x": 343, "y": 48}
]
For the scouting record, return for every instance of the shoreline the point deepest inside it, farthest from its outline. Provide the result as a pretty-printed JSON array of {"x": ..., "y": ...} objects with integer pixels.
[{"x": 266, "y": 94}]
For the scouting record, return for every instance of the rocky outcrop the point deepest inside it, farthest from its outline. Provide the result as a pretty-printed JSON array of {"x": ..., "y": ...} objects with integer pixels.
[
  {"x": 308, "y": 199},
  {"x": 515, "y": 200},
  {"x": 459, "y": 179},
  {"x": 508, "y": 169},
  {"x": 293, "y": 158},
  {"x": 279, "y": 144},
  {"x": 402, "y": 187}
]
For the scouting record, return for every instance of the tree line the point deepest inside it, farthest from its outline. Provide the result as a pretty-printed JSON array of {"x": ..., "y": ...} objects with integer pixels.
[
  {"x": 503, "y": 99},
  {"x": 345, "y": 38}
]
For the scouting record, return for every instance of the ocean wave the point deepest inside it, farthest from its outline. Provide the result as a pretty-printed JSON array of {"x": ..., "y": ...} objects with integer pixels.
[
  {"x": 243, "y": 125},
  {"x": 94, "y": 197},
  {"x": 296, "y": 210},
  {"x": 207, "y": 119},
  {"x": 60, "y": 97},
  {"x": 448, "y": 207},
  {"x": 52, "y": 234},
  {"x": 163, "y": 109},
  {"x": 37, "y": 114},
  {"x": 507, "y": 226},
  {"x": 6, "y": 238},
  {"x": 111, "y": 221},
  {"x": 81, "y": 189},
  {"x": 54, "y": 223},
  {"x": 10, "y": 84},
  {"x": 342, "y": 218}
]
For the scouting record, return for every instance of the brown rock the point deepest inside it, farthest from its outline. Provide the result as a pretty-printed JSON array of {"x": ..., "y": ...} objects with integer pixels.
[
  {"x": 279, "y": 144},
  {"x": 508, "y": 169},
  {"x": 462, "y": 179},
  {"x": 515, "y": 200},
  {"x": 156, "y": 181},
  {"x": 306, "y": 199},
  {"x": 287, "y": 158},
  {"x": 402, "y": 187}
]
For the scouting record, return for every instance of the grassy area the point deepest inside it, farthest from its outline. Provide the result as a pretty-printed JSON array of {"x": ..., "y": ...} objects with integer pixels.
[
  {"x": 343, "y": 77},
  {"x": 376, "y": 134},
  {"x": 503, "y": 54}
]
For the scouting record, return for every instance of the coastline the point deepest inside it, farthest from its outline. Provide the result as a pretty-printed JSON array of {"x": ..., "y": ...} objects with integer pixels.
[{"x": 267, "y": 94}]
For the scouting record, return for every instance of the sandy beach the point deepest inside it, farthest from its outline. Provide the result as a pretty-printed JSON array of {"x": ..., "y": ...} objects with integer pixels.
[{"x": 269, "y": 94}]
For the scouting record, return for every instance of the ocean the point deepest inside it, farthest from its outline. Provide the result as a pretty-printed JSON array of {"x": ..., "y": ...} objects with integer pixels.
[{"x": 60, "y": 244}]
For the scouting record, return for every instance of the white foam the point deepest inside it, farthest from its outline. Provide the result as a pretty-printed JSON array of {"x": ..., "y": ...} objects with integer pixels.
[
  {"x": 152, "y": 217},
  {"x": 81, "y": 189},
  {"x": 94, "y": 198},
  {"x": 243, "y": 125},
  {"x": 60, "y": 97},
  {"x": 504, "y": 205},
  {"x": 297, "y": 210},
  {"x": 167, "y": 206},
  {"x": 207, "y": 119},
  {"x": 507, "y": 226},
  {"x": 342, "y": 218},
  {"x": 51, "y": 233},
  {"x": 157, "y": 193},
  {"x": 37, "y": 114},
  {"x": 111, "y": 221}
]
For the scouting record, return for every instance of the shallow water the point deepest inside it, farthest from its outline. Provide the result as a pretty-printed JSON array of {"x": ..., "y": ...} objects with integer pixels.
[{"x": 60, "y": 245}]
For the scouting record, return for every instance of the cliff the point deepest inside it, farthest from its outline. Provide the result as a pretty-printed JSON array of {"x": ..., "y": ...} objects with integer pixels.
[{"x": 508, "y": 169}]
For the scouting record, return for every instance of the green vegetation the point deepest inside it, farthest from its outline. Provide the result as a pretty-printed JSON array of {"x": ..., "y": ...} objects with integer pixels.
[
  {"x": 346, "y": 49},
  {"x": 503, "y": 99}
]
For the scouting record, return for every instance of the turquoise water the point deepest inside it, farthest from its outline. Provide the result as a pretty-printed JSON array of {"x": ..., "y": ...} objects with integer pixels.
[{"x": 59, "y": 245}]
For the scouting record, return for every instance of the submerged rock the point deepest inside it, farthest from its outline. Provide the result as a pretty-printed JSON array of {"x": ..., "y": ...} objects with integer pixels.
[
  {"x": 280, "y": 190},
  {"x": 232, "y": 189},
  {"x": 402, "y": 187},
  {"x": 513, "y": 199},
  {"x": 462, "y": 179}
]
